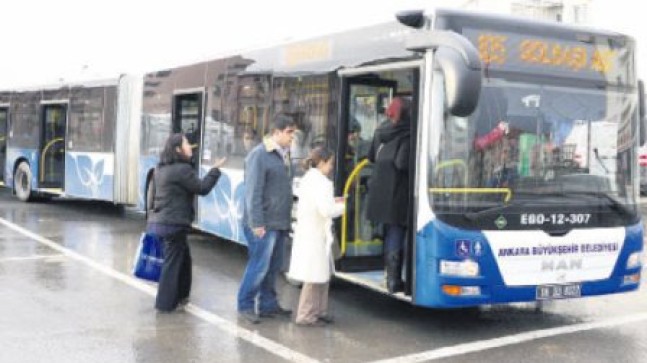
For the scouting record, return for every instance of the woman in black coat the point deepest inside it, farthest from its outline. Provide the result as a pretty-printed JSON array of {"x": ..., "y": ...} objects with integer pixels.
[
  {"x": 388, "y": 192},
  {"x": 176, "y": 184}
]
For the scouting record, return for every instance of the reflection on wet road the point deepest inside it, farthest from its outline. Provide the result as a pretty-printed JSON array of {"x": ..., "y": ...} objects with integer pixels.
[{"x": 68, "y": 296}]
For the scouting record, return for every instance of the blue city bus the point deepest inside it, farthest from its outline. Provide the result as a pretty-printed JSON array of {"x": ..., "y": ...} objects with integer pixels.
[
  {"x": 75, "y": 140},
  {"x": 525, "y": 169},
  {"x": 525, "y": 176}
]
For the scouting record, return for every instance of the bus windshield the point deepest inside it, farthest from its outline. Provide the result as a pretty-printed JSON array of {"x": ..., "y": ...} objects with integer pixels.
[{"x": 537, "y": 144}]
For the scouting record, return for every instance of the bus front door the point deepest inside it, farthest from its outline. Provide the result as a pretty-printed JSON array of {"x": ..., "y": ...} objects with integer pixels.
[
  {"x": 52, "y": 151},
  {"x": 364, "y": 102},
  {"x": 4, "y": 118}
]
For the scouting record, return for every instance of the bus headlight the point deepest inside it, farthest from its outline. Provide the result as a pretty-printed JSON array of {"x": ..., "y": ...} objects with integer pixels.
[
  {"x": 634, "y": 260},
  {"x": 466, "y": 268}
]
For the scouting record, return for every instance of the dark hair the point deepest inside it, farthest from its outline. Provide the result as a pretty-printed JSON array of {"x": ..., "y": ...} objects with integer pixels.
[
  {"x": 169, "y": 154},
  {"x": 251, "y": 132},
  {"x": 282, "y": 121},
  {"x": 317, "y": 155}
]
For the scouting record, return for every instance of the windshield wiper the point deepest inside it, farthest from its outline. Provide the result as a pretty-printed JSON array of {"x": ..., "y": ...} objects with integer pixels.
[
  {"x": 473, "y": 216},
  {"x": 614, "y": 203}
]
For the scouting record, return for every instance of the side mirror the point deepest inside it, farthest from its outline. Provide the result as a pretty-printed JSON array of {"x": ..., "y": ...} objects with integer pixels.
[
  {"x": 642, "y": 127},
  {"x": 459, "y": 61},
  {"x": 412, "y": 18}
]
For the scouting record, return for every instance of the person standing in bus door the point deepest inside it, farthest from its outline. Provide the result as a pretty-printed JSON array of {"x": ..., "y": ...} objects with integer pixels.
[
  {"x": 388, "y": 189},
  {"x": 267, "y": 220},
  {"x": 312, "y": 260},
  {"x": 176, "y": 183}
]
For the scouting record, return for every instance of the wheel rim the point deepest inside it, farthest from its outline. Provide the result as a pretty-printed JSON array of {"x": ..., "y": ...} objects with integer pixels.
[{"x": 22, "y": 182}]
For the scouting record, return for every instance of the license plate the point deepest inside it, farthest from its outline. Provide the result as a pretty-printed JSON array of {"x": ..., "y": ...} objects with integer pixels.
[{"x": 548, "y": 292}]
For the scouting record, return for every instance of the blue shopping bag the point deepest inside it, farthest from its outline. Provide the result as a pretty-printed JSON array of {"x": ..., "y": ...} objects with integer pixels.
[{"x": 149, "y": 257}]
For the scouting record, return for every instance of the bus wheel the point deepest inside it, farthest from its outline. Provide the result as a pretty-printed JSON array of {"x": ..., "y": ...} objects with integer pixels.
[
  {"x": 22, "y": 182},
  {"x": 149, "y": 196}
]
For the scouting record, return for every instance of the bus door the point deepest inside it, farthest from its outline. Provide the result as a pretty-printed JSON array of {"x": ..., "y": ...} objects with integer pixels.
[
  {"x": 4, "y": 127},
  {"x": 364, "y": 101},
  {"x": 187, "y": 118},
  {"x": 51, "y": 171}
]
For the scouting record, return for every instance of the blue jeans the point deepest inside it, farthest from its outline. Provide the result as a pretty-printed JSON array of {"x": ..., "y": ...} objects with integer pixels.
[{"x": 263, "y": 266}]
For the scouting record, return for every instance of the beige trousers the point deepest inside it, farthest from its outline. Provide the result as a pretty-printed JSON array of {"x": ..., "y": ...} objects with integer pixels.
[{"x": 313, "y": 303}]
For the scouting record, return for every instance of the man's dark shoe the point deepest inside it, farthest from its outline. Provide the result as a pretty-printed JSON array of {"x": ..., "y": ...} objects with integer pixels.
[
  {"x": 326, "y": 319},
  {"x": 279, "y": 311},
  {"x": 249, "y": 316},
  {"x": 316, "y": 323}
]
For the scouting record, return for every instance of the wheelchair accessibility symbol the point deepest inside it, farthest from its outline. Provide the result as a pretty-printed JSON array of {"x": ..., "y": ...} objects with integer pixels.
[{"x": 463, "y": 248}]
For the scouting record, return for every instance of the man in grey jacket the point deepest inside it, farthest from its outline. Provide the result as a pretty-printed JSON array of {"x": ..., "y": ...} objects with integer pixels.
[{"x": 268, "y": 206}]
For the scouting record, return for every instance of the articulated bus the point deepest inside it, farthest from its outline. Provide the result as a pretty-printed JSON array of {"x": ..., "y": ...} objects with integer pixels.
[
  {"x": 70, "y": 140},
  {"x": 525, "y": 175}
]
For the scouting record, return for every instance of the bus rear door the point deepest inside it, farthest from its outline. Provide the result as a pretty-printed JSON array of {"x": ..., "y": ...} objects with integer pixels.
[
  {"x": 187, "y": 113},
  {"x": 51, "y": 173}
]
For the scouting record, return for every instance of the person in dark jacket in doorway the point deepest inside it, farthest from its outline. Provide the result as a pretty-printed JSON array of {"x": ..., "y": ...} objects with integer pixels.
[
  {"x": 388, "y": 192},
  {"x": 176, "y": 183}
]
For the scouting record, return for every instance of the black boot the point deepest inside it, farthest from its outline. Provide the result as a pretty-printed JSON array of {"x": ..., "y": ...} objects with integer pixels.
[{"x": 394, "y": 281}]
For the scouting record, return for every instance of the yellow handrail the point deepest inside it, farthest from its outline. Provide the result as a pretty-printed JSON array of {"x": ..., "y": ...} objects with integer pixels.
[
  {"x": 506, "y": 191},
  {"x": 344, "y": 218},
  {"x": 452, "y": 162},
  {"x": 42, "y": 156}
]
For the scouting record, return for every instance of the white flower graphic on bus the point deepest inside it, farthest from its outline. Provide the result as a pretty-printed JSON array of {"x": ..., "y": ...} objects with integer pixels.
[
  {"x": 89, "y": 174},
  {"x": 222, "y": 209}
]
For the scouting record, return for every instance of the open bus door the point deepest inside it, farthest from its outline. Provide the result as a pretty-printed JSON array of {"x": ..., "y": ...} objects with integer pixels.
[
  {"x": 187, "y": 118},
  {"x": 366, "y": 92},
  {"x": 364, "y": 99},
  {"x": 4, "y": 123},
  {"x": 187, "y": 113},
  {"x": 51, "y": 174}
]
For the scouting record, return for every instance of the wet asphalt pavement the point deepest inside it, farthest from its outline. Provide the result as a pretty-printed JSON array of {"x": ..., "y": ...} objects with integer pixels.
[{"x": 68, "y": 296}]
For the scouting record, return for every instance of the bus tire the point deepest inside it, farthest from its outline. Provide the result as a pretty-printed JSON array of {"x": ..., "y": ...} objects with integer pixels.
[
  {"x": 22, "y": 182},
  {"x": 149, "y": 196}
]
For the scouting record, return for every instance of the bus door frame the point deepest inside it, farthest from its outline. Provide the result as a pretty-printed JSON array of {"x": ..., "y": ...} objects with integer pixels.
[
  {"x": 44, "y": 105},
  {"x": 353, "y": 76},
  {"x": 176, "y": 126},
  {"x": 4, "y": 107}
]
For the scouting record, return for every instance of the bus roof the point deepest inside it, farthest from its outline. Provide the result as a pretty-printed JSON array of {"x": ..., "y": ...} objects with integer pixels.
[{"x": 49, "y": 87}]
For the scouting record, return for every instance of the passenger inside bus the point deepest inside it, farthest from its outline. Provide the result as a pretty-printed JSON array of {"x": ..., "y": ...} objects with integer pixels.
[
  {"x": 357, "y": 146},
  {"x": 356, "y": 150},
  {"x": 250, "y": 139}
]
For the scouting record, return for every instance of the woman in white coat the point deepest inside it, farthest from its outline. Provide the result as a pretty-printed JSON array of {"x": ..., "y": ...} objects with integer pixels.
[{"x": 312, "y": 261}]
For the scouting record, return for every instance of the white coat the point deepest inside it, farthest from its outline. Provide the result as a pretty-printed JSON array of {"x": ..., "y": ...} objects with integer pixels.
[{"x": 312, "y": 260}]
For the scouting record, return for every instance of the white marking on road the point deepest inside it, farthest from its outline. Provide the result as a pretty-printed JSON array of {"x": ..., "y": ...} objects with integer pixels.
[
  {"x": 29, "y": 258},
  {"x": 150, "y": 289},
  {"x": 460, "y": 349}
]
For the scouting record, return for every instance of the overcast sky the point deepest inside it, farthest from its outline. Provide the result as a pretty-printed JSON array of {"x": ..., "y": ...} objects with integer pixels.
[{"x": 44, "y": 41}]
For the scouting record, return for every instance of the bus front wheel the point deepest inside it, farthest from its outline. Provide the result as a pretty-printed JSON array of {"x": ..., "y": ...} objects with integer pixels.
[{"x": 22, "y": 182}]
